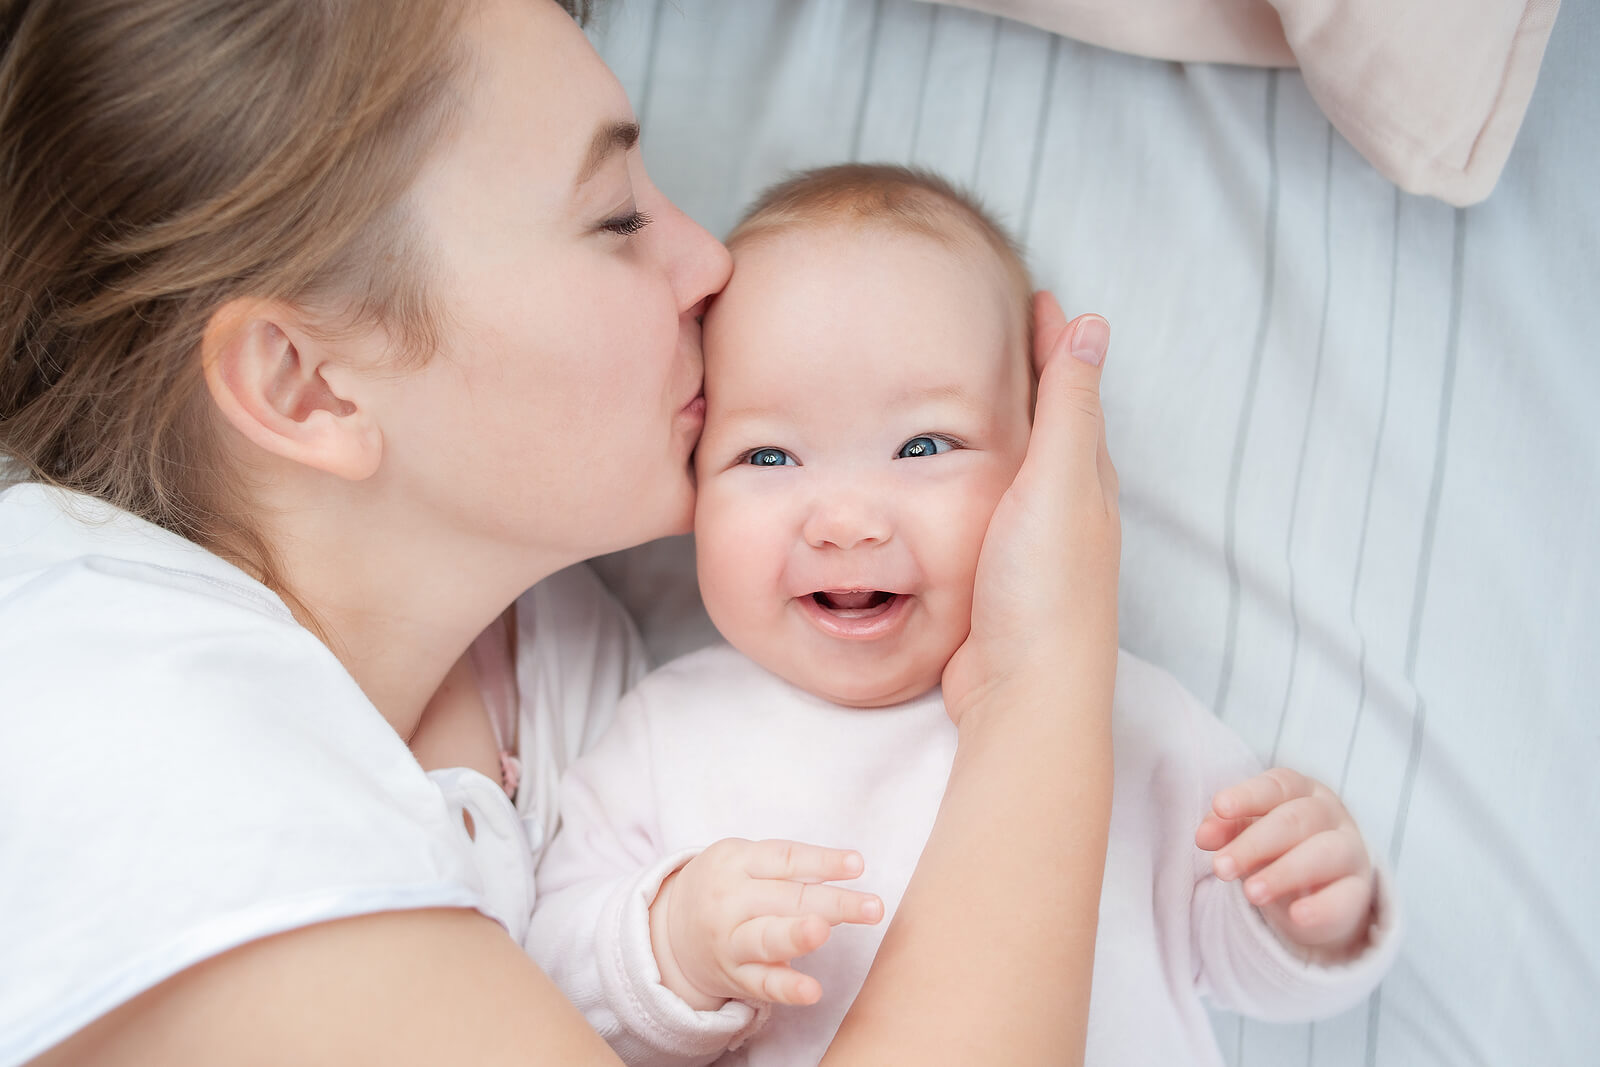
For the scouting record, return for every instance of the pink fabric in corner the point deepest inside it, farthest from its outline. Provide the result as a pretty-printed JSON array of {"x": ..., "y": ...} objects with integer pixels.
[{"x": 1431, "y": 92}]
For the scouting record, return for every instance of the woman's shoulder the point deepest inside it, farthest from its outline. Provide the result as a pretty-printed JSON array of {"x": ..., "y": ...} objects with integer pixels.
[
  {"x": 47, "y": 535},
  {"x": 184, "y": 769}
]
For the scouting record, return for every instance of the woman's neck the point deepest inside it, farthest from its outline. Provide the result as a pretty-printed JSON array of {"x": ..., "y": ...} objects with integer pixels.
[{"x": 397, "y": 610}]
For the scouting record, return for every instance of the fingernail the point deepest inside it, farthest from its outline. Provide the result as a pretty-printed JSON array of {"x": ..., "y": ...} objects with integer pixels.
[
  {"x": 872, "y": 910},
  {"x": 1226, "y": 868},
  {"x": 852, "y": 863},
  {"x": 1090, "y": 340},
  {"x": 1256, "y": 890}
]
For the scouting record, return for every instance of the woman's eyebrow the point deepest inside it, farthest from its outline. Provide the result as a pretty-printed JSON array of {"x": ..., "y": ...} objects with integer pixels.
[{"x": 609, "y": 138}]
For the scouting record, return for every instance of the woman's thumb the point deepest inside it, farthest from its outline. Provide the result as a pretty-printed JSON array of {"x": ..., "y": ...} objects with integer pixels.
[{"x": 1067, "y": 419}]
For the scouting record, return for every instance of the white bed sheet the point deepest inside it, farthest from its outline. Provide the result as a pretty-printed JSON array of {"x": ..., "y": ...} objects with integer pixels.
[{"x": 1355, "y": 430}]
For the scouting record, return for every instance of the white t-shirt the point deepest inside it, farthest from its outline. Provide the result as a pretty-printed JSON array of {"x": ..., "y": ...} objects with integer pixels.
[{"x": 184, "y": 768}]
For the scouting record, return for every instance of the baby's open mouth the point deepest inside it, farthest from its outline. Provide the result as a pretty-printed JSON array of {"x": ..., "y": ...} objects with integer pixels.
[{"x": 854, "y": 603}]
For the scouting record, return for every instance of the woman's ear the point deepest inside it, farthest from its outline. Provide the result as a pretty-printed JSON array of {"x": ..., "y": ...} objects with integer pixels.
[{"x": 269, "y": 379}]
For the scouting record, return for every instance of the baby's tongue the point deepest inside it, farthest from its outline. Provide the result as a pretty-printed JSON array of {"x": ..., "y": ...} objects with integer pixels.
[{"x": 850, "y": 601}]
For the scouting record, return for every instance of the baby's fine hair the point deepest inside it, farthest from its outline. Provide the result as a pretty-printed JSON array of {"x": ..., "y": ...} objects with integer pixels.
[{"x": 907, "y": 199}]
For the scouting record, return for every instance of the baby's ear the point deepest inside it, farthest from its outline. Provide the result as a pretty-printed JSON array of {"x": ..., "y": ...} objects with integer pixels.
[{"x": 271, "y": 377}]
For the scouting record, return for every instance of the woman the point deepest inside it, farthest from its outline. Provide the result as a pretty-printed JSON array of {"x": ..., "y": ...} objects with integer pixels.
[{"x": 345, "y": 328}]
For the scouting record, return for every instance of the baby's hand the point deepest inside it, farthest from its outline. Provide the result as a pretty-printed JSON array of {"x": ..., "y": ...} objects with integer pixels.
[
  {"x": 726, "y": 924},
  {"x": 1303, "y": 860}
]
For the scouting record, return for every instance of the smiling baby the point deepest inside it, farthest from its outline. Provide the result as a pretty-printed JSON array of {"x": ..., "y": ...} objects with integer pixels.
[{"x": 868, "y": 401}]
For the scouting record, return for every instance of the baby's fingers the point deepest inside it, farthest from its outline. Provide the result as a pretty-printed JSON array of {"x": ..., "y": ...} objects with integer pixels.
[
  {"x": 776, "y": 984},
  {"x": 1215, "y": 831},
  {"x": 1317, "y": 861},
  {"x": 1261, "y": 794},
  {"x": 1335, "y": 914},
  {"x": 794, "y": 861},
  {"x": 778, "y": 938},
  {"x": 1272, "y": 835},
  {"x": 829, "y": 902}
]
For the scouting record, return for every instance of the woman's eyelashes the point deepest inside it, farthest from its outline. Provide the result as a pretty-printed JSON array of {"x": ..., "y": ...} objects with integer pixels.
[{"x": 627, "y": 224}]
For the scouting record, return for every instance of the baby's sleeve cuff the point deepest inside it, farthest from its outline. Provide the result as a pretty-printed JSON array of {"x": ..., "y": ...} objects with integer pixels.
[
  {"x": 655, "y": 1021},
  {"x": 1309, "y": 988}
]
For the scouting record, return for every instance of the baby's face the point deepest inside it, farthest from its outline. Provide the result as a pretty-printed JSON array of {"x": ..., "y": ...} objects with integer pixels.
[{"x": 867, "y": 405}]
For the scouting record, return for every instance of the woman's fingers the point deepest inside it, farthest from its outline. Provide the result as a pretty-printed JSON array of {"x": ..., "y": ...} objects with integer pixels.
[
  {"x": 1067, "y": 423},
  {"x": 1049, "y": 323},
  {"x": 1315, "y": 862},
  {"x": 1275, "y": 833}
]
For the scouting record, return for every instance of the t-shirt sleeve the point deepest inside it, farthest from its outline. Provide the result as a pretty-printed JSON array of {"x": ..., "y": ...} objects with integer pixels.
[{"x": 180, "y": 774}]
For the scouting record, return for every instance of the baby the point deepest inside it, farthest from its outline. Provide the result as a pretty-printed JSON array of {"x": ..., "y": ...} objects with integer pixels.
[{"x": 869, "y": 394}]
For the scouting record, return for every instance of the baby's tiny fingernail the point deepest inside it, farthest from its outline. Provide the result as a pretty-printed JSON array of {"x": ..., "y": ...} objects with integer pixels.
[
  {"x": 1090, "y": 340},
  {"x": 1256, "y": 890},
  {"x": 872, "y": 910},
  {"x": 853, "y": 863},
  {"x": 1227, "y": 869}
]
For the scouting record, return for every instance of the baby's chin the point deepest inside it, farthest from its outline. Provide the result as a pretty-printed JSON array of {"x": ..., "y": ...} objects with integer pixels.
[{"x": 870, "y": 691}]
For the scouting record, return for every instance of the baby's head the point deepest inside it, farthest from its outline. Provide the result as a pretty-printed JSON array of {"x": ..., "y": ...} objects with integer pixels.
[{"x": 869, "y": 394}]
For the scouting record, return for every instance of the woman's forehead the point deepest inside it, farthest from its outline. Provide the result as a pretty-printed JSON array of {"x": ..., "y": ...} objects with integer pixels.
[{"x": 538, "y": 97}]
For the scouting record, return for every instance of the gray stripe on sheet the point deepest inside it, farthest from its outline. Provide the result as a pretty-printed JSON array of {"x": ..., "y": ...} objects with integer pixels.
[
  {"x": 1305, "y": 445},
  {"x": 922, "y": 84},
  {"x": 1230, "y": 531},
  {"x": 1372, "y": 481},
  {"x": 1430, "y": 527},
  {"x": 866, "y": 80},
  {"x": 647, "y": 85},
  {"x": 988, "y": 93},
  {"x": 1374, "y": 1010},
  {"x": 1419, "y": 598},
  {"x": 1039, "y": 129}
]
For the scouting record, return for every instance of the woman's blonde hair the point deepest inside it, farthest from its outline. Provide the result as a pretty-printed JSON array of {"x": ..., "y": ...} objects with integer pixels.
[{"x": 162, "y": 157}]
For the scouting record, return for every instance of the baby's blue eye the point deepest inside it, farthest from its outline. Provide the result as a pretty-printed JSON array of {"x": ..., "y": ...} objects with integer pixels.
[
  {"x": 923, "y": 446},
  {"x": 771, "y": 457}
]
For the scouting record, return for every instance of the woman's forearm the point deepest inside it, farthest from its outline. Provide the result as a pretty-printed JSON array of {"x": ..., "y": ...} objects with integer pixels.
[{"x": 989, "y": 957}]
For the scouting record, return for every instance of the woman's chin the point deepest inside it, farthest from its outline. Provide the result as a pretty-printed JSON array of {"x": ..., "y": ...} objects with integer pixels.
[{"x": 664, "y": 514}]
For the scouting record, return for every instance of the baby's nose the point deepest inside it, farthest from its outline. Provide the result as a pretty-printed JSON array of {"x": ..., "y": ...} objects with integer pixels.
[{"x": 849, "y": 520}]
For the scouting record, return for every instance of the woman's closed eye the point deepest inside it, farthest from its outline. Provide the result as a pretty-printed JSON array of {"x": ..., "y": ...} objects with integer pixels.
[
  {"x": 627, "y": 224},
  {"x": 768, "y": 457},
  {"x": 927, "y": 445}
]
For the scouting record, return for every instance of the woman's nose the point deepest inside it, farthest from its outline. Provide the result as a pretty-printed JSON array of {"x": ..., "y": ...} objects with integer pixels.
[
  {"x": 851, "y": 521},
  {"x": 701, "y": 264}
]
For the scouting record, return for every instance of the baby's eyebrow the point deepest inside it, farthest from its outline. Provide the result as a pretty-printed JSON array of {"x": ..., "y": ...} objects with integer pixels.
[
  {"x": 930, "y": 393},
  {"x": 745, "y": 414}
]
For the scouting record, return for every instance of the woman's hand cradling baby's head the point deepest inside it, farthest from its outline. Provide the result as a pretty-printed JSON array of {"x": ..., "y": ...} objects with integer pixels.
[{"x": 1046, "y": 585}]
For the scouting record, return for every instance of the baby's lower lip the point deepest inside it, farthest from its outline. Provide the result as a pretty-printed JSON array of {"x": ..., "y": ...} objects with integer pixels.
[{"x": 856, "y": 624}]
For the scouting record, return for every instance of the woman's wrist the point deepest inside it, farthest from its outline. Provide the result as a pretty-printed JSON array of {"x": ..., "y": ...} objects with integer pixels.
[{"x": 1070, "y": 692}]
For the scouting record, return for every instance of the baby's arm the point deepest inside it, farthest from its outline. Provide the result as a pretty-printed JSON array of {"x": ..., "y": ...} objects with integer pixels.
[
  {"x": 725, "y": 919},
  {"x": 590, "y": 926}
]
